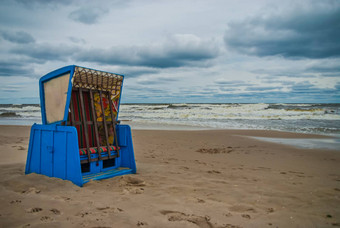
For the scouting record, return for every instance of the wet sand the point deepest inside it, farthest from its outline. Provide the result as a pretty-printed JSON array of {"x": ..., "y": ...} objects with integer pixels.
[{"x": 210, "y": 178}]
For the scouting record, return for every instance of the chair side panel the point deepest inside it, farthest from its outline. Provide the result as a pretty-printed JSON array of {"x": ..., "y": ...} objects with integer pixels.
[
  {"x": 54, "y": 152},
  {"x": 60, "y": 154},
  {"x": 125, "y": 142}
]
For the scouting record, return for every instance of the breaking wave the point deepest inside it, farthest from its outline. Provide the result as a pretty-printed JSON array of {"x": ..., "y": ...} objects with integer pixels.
[{"x": 307, "y": 118}]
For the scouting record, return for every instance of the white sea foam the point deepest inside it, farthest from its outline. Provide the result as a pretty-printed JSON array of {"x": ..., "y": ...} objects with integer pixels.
[
  {"x": 224, "y": 112},
  {"x": 309, "y": 118}
]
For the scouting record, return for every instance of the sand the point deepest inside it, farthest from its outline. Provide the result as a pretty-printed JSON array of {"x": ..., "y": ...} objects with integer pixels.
[{"x": 215, "y": 178}]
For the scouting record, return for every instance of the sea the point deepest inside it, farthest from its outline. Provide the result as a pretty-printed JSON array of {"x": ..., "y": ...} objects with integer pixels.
[{"x": 303, "y": 118}]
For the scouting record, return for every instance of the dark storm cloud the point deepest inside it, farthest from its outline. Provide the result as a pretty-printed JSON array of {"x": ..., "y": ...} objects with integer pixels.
[
  {"x": 284, "y": 82},
  {"x": 183, "y": 91},
  {"x": 303, "y": 87},
  {"x": 228, "y": 89},
  {"x": 327, "y": 70},
  {"x": 14, "y": 68},
  {"x": 262, "y": 88},
  {"x": 88, "y": 15},
  {"x": 177, "y": 51},
  {"x": 337, "y": 86},
  {"x": 133, "y": 73},
  {"x": 45, "y": 52},
  {"x": 283, "y": 72},
  {"x": 310, "y": 31},
  {"x": 232, "y": 83},
  {"x": 32, "y": 3},
  {"x": 77, "y": 40},
  {"x": 157, "y": 81},
  {"x": 223, "y": 82},
  {"x": 19, "y": 37},
  {"x": 144, "y": 89},
  {"x": 10, "y": 90},
  {"x": 321, "y": 69}
]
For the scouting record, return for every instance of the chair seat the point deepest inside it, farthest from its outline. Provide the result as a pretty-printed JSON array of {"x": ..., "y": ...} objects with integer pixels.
[{"x": 94, "y": 150}]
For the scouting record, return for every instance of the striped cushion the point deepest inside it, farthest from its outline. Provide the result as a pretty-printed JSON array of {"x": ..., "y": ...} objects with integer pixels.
[{"x": 94, "y": 150}]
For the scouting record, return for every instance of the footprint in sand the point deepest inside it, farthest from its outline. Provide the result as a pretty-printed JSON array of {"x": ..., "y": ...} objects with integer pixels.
[
  {"x": 15, "y": 201},
  {"x": 102, "y": 208},
  {"x": 109, "y": 209},
  {"x": 214, "y": 150},
  {"x": 139, "y": 223},
  {"x": 213, "y": 171},
  {"x": 200, "y": 162},
  {"x": 63, "y": 198},
  {"x": 132, "y": 181},
  {"x": 242, "y": 208},
  {"x": 200, "y": 221},
  {"x": 246, "y": 216},
  {"x": 133, "y": 190},
  {"x": 295, "y": 172},
  {"x": 34, "y": 210},
  {"x": 230, "y": 226},
  {"x": 31, "y": 190},
  {"x": 83, "y": 214},
  {"x": 263, "y": 168},
  {"x": 228, "y": 214},
  {"x": 55, "y": 211},
  {"x": 270, "y": 210},
  {"x": 200, "y": 200},
  {"x": 46, "y": 219},
  {"x": 133, "y": 184}
]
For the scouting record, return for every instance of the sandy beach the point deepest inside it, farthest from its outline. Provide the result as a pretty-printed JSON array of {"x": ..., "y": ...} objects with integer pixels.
[{"x": 209, "y": 178}]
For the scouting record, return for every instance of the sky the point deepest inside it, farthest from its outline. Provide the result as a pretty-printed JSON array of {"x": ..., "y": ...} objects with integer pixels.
[{"x": 178, "y": 51}]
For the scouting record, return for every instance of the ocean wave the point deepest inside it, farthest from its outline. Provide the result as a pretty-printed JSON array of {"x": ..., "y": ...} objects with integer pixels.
[
  {"x": 9, "y": 114},
  {"x": 227, "y": 111},
  {"x": 307, "y": 118}
]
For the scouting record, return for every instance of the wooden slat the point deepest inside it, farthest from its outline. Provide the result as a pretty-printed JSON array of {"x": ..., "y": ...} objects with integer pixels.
[
  {"x": 113, "y": 123},
  {"x": 87, "y": 161},
  {"x": 72, "y": 112},
  {"x": 81, "y": 122},
  {"x": 95, "y": 90},
  {"x": 95, "y": 125},
  {"x": 84, "y": 123},
  {"x": 105, "y": 124}
]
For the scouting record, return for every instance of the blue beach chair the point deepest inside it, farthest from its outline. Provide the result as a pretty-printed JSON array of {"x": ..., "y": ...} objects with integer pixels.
[{"x": 80, "y": 138}]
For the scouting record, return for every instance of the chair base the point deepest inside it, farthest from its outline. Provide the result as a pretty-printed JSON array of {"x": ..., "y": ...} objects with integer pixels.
[
  {"x": 106, "y": 174},
  {"x": 53, "y": 151}
]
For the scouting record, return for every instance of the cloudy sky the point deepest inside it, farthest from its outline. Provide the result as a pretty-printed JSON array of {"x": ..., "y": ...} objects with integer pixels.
[{"x": 179, "y": 50}]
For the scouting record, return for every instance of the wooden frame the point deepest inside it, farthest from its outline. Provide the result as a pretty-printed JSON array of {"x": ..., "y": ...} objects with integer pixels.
[{"x": 84, "y": 123}]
